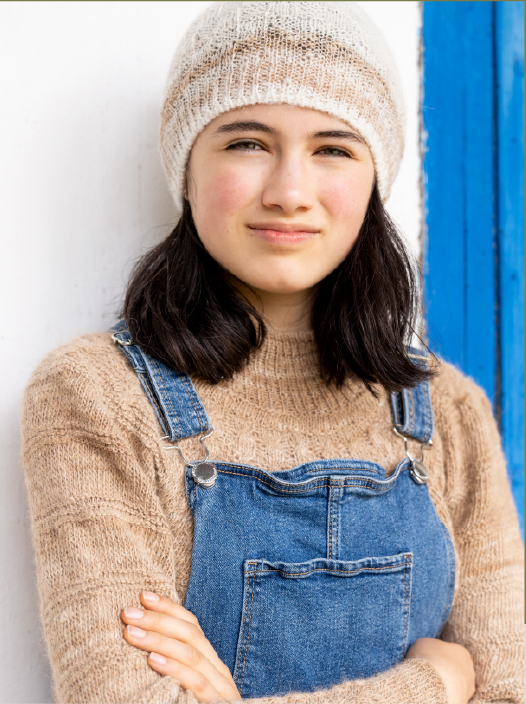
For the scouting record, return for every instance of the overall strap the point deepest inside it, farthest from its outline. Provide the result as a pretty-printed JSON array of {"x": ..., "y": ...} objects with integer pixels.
[
  {"x": 172, "y": 395},
  {"x": 411, "y": 408}
]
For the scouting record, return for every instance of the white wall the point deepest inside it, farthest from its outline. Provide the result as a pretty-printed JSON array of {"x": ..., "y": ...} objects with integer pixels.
[{"x": 82, "y": 195}]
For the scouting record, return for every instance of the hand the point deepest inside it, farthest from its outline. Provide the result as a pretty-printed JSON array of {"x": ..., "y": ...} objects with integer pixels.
[
  {"x": 452, "y": 662},
  {"x": 178, "y": 647}
]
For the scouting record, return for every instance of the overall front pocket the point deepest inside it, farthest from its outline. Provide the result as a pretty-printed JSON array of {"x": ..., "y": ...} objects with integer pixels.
[{"x": 314, "y": 624}]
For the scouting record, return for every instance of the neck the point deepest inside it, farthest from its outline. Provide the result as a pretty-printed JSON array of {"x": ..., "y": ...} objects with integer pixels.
[{"x": 284, "y": 312}]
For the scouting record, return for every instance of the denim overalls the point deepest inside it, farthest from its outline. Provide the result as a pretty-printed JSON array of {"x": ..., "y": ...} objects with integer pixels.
[{"x": 306, "y": 577}]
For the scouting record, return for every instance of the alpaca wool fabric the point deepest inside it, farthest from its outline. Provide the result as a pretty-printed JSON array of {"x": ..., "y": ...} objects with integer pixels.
[
  {"x": 109, "y": 514},
  {"x": 328, "y": 56}
]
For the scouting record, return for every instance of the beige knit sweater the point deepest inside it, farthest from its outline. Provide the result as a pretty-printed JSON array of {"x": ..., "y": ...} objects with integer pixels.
[{"x": 109, "y": 515}]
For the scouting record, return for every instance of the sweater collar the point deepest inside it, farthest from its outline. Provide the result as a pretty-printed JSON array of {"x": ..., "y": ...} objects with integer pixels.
[{"x": 282, "y": 387}]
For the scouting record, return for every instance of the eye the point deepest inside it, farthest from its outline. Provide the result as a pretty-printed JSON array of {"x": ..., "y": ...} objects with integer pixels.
[
  {"x": 334, "y": 151},
  {"x": 245, "y": 146}
]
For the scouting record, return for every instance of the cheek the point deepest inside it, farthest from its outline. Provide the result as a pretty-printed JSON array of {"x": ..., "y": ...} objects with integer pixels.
[
  {"x": 346, "y": 202},
  {"x": 226, "y": 194}
]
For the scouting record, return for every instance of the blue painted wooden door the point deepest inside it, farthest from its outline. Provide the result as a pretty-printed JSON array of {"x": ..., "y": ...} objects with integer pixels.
[{"x": 473, "y": 144}]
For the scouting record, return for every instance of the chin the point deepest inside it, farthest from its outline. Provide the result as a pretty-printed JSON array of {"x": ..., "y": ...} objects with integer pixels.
[
  {"x": 283, "y": 287},
  {"x": 280, "y": 280}
]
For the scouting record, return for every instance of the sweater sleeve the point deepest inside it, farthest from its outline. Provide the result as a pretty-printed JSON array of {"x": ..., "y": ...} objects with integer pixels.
[
  {"x": 100, "y": 536},
  {"x": 488, "y": 611}
]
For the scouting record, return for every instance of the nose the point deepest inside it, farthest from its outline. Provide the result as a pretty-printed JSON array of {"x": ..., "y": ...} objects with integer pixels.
[{"x": 289, "y": 186}]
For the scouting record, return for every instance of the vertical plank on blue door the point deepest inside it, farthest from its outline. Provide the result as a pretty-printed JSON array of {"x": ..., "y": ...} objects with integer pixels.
[
  {"x": 509, "y": 58},
  {"x": 443, "y": 195},
  {"x": 457, "y": 113},
  {"x": 479, "y": 359},
  {"x": 473, "y": 117}
]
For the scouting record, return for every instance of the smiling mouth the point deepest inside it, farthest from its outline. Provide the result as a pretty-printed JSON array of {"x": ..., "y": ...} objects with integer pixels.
[{"x": 271, "y": 234}]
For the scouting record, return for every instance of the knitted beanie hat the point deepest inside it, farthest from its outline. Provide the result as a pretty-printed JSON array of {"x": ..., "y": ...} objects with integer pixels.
[{"x": 323, "y": 55}]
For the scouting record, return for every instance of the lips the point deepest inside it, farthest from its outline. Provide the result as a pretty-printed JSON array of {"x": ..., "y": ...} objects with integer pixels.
[
  {"x": 284, "y": 227},
  {"x": 281, "y": 234}
]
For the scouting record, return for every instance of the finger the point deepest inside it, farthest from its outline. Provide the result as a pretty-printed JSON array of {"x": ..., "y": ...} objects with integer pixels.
[
  {"x": 195, "y": 660},
  {"x": 156, "y": 602},
  {"x": 169, "y": 626},
  {"x": 175, "y": 648},
  {"x": 190, "y": 679},
  {"x": 183, "y": 653},
  {"x": 174, "y": 628},
  {"x": 188, "y": 661}
]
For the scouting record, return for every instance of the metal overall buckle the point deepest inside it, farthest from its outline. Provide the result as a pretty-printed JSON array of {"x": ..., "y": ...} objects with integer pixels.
[
  {"x": 204, "y": 472},
  {"x": 417, "y": 469},
  {"x": 123, "y": 343}
]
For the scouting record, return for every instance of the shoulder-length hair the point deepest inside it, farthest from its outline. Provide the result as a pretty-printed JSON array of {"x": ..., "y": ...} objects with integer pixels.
[{"x": 182, "y": 308}]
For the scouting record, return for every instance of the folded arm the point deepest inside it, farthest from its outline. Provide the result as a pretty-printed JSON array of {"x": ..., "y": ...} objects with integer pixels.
[
  {"x": 488, "y": 612},
  {"x": 101, "y": 537}
]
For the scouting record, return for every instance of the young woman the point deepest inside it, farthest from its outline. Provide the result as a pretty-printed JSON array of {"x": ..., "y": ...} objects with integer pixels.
[{"x": 308, "y": 550}]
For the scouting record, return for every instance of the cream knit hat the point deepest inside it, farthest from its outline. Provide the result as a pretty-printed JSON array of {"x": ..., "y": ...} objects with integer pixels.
[{"x": 323, "y": 55}]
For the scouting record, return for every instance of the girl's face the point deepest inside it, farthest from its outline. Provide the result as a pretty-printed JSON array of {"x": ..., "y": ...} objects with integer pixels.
[{"x": 278, "y": 194}]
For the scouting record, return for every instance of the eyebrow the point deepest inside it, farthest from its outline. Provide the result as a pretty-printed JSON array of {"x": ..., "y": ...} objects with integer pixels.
[{"x": 253, "y": 126}]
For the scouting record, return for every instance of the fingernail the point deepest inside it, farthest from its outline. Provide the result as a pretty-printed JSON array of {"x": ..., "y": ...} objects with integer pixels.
[
  {"x": 131, "y": 612},
  {"x": 150, "y": 596},
  {"x": 136, "y": 632},
  {"x": 158, "y": 658}
]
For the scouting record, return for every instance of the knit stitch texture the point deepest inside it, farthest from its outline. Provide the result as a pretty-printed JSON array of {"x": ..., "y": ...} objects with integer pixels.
[
  {"x": 109, "y": 516},
  {"x": 328, "y": 56}
]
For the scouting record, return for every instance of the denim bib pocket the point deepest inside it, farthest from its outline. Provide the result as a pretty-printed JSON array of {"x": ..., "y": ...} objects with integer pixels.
[{"x": 297, "y": 615}]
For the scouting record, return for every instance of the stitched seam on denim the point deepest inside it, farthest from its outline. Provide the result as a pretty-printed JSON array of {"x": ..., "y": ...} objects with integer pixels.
[
  {"x": 191, "y": 396},
  {"x": 244, "y": 620},
  {"x": 157, "y": 373},
  {"x": 144, "y": 377},
  {"x": 338, "y": 526},
  {"x": 195, "y": 496},
  {"x": 242, "y": 631},
  {"x": 428, "y": 411},
  {"x": 335, "y": 492},
  {"x": 248, "y": 633},
  {"x": 413, "y": 417},
  {"x": 352, "y": 469},
  {"x": 392, "y": 406},
  {"x": 331, "y": 496},
  {"x": 364, "y": 485},
  {"x": 447, "y": 538},
  {"x": 328, "y": 569},
  {"x": 423, "y": 411},
  {"x": 424, "y": 404},
  {"x": 167, "y": 395},
  {"x": 299, "y": 491},
  {"x": 261, "y": 471},
  {"x": 405, "y": 622}
]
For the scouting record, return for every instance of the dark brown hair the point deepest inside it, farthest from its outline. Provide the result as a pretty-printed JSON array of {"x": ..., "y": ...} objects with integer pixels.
[{"x": 182, "y": 307}]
